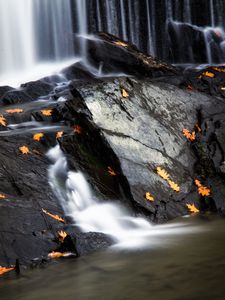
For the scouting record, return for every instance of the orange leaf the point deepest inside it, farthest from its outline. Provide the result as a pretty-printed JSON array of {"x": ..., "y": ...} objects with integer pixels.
[
  {"x": 24, "y": 150},
  {"x": 38, "y": 136},
  {"x": 202, "y": 190},
  {"x": 59, "y": 134},
  {"x": 219, "y": 69},
  {"x": 111, "y": 172},
  {"x": 149, "y": 197},
  {"x": 62, "y": 235},
  {"x": 2, "y": 121},
  {"x": 192, "y": 208},
  {"x": 14, "y": 110},
  {"x": 198, "y": 128},
  {"x": 162, "y": 173},
  {"x": 124, "y": 93},
  {"x": 54, "y": 254},
  {"x": 207, "y": 74},
  {"x": 77, "y": 129},
  {"x": 56, "y": 217},
  {"x": 190, "y": 136},
  {"x": 46, "y": 112},
  {"x": 2, "y": 196},
  {"x": 174, "y": 186},
  {"x": 223, "y": 88},
  {"x": 4, "y": 270}
]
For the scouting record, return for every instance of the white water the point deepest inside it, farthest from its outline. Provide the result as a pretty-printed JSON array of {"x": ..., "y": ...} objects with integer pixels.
[{"x": 90, "y": 214}]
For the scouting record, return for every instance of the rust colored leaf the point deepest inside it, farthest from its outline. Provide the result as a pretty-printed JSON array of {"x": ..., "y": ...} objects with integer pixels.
[
  {"x": 190, "y": 136},
  {"x": 111, "y": 172},
  {"x": 24, "y": 150},
  {"x": 149, "y": 196},
  {"x": 56, "y": 217},
  {"x": 202, "y": 190},
  {"x": 38, "y": 136},
  {"x": 59, "y": 134},
  {"x": 162, "y": 173},
  {"x": 77, "y": 129},
  {"x": 4, "y": 270},
  {"x": 14, "y": 110},
  {"x": 3, "y": 121},
  {"x": 174, "y": 185},
  {"x": 124, "y": 93},
  {"x": 62, "y": 235},
  {"x": 192, "y": 208},
  {"x": 46, "y": 112}
]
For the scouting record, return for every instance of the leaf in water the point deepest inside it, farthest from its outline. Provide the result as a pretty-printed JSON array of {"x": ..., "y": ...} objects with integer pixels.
[
  {"x": 24, "y": 150},
  {"x": 56, "y": 217},
  {"x": 191, "y": 136},
  {"x": 124, "y": 93},
  {"x": 111, "y": 172},
  {"x": 4, "y": 270},
  {"x": 62, "y": 235},
  {"x": 192, "y": 208},
  {"x": 38, "y": 136},
  {"x": 77, "y": 129},
  {"x": 46, "y": 112},
  {"x": 59, "y": 134},
  {"x": 162, "y": 173},
  {"x": 149, "y": 197},
  {"x": 2, "y": 121},
  {"x": 14, "y": 110},
  {"x": 174, "y": 185},
  {"x": 2, "y": 196}
]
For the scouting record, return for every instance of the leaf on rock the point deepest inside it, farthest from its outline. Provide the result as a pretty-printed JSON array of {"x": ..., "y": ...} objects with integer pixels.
[
  {"x": 38, "y": 136},
  {"x": 59, "y": 134},
  {"x": 149, "y": 196},
  {"x": 62, "y": 235},
  {"x": 207, "y": 74},
  {"x": 174, "y": 185},
  {"x": 219, "y": 69},
  {"x": 162, "y": 173},
  {"x": 202, "y": 190},
  {"x": 2, "y": 121},
  {"x": 120, "y": 43},
  {"x": 192, "y": 208},
  {"x": 46, "y": 112},
  {"x": 36, "y": 152},
  {"x": 14, "y": 110},
  {"x": 77, "y": 129},
  {"x": 191, "y": 136},
  {"x": 2, "y": 196},
  {"x": 4, "y": 270},
  {"x": 24, "y": 150},
  {"x": 111, "y": 172},
  {"x": 54, "y": 254},
  {"x": 56, "y": 217},
  {"x": 198, "y": 128},
  {"x": 124, "y": 93},
  {"x": 223, "y": 88}
]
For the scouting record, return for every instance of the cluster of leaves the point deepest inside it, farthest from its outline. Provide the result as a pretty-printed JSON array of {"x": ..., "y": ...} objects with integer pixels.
[
  {"x": 166, "y": 176},
  {"x": 202, "y": 190},
  {"x": 56, "y": 217}
]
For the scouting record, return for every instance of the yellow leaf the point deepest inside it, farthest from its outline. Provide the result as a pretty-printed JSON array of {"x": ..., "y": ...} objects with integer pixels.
[
  {"x": 124, "y": 93},
  {"x": 111, "y": 172},
  {"x": 24, "y": 150},
  {"x": 62, "y": 235},
  {"x": 202, "y": 190},
  {"x": 174, "y": 186},
  {"x": 46, "y": 112},
  {"x": 59, "y": 134},
  {"x": 162, "y": 173},
  {"x": 207, "y": 74},
  {"x": 4, "y": 270},
  {"x": 2, "y": 196},
  {"x": 38, "y": 136},
  {"x": 120, "y": 43},
  {"x": 56, "y": 217},
  {"x": 2, "y": 121},
  {"x": 14, "y": 110},
  {"x": 149, "y": 197},
  {"x": 223, "y": 88},
  {"x": 192, "y": 208}
]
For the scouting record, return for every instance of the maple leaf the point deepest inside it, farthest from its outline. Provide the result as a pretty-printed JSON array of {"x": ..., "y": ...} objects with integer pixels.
[
  {"x": 46, "y": 112},
  {"x": 149, "y": 197},
  {"x": 2, "y": 121},
  {"x": 4, "y": 270},
  {"x": 190, "y": 136},
  {"x": 59, "y": 134},
  {"x": 62, "y": 235},
  {"x": 2, "y": 196},
  {"x": 192, "y": 208},
  {"x": 162, "y": 173},
  {"x": 14, "y": 110},
  {"x": 124, "y": 93},
  {"x": 174, "y": 185},
  {"x": 56, "y": 217},
  {"x": 111, "y": 172},
  {"x": 77, "y": 129},
  {"x": 24, "y": 150},
  {"x": 38, "y": 136}
]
